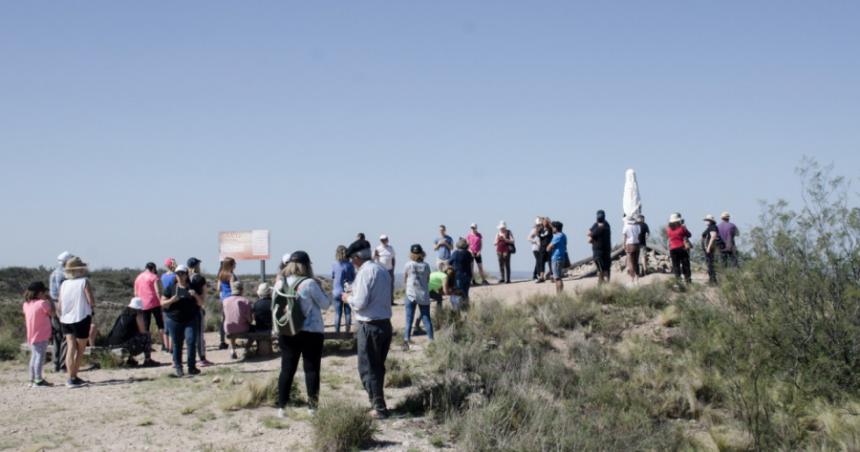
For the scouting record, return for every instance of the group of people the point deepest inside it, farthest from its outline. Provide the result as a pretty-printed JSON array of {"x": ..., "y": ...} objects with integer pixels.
[{"x": 362, "y": 290}]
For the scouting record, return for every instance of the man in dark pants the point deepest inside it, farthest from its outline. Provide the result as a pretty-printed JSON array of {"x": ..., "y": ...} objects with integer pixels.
[
  {"x": 57, "y": 278},
  {"x": 370, "y": 298},
  {"x": 600, "y": 237}
]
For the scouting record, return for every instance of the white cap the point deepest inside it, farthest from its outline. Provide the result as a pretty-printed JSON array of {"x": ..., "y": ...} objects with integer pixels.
[
  {"x": 473, "y": 226},
  {"x": 538, "y": 221},
  {"x": 181, "y": 269},
  {"x": 502, "y": 224},
  {"x": 286, "y": 258},
  {"x": 675, "y": 218},
  {"x": 64, "y": 256},
  {"x": 136, "y": 303},
  {"x": 383, "y": 237},
  {"x": 709, "y": 217}
]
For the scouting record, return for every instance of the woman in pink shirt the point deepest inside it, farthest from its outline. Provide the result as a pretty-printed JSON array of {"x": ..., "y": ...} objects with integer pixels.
[
  {"x": 147, "y": 287},
  {"x": 37, "y": 315},
  {"x": 476, "y": 242}
]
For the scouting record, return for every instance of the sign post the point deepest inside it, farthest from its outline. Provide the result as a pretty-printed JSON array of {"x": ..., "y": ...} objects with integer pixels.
[{"x": 245, "y": 245}]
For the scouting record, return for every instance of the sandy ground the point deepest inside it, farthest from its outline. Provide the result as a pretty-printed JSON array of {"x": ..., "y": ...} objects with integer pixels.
[{"x": 144, "y": 409}]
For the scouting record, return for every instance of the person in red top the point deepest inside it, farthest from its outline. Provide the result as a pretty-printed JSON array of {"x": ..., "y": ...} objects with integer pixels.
[
  {"x": 147, "y": 287},
  {"x": 679, "y": 246}
]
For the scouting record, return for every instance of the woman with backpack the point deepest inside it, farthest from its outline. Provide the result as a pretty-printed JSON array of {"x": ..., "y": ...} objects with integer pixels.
[
  {"x": 305, "y": 341},
  {"x": 504, "y": 248},
  {"x": 679, "y": 247}
]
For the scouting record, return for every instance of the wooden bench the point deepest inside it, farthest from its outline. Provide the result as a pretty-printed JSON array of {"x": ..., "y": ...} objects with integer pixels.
[{"x": 263, "y": 339}]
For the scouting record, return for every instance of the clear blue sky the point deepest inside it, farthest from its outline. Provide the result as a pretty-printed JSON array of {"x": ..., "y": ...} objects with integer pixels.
[{"x": 131, "y": 131}]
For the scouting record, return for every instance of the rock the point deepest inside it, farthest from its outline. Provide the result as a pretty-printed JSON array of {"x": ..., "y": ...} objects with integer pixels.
[{"x": 216, "y": 380}]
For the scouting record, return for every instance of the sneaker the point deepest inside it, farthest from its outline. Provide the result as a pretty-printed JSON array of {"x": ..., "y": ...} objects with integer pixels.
[
  {"x": 223, "y": 346},
  {"x": 193, "y": 371},
  {"x": 405, "y": 346},
  {"x": 164, "y": 348},
  {"x": 151, "y": 363},
  {"x": 80, "y": 382},
  {"x": 131, "y": 362},
  {"x": 177, "y": 373},
  {"x": 204, "y": 363},
  {"x": 42, "y": 384},
  {"x": 233, "y": 355},
  {"x": 70, "y": 383},
  {"x": 281, "y": 413}
]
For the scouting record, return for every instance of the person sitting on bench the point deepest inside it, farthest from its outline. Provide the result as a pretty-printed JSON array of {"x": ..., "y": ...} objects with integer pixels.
[
  {"x": 128, "y": 332},
  {"x": 263, "y": 308},
  {"x": 238, "y": 315}
]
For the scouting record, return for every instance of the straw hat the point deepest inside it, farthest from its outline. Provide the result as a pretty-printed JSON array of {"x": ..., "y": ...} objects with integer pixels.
[
  {"x": 75, "y": 267},
  {"x": 675, "y": 218},
  {"x": 725, "y": 216}
]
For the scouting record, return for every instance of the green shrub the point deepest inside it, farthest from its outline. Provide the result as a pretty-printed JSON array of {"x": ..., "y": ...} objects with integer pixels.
[
  {"x": 253, "y": 394},
  {"x": 340, "y": 427},
  {"x": 397, "y": 374}
]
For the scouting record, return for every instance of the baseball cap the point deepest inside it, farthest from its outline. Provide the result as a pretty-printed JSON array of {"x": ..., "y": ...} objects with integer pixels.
[
  {"x": 383, "y": 237},
  {"x": 193, "y": 262},
  {"x": 136, "y": 303},
  {"x": 416, "y": 249},
  {"x": 169, "y": 261},
  {"x": 181, "y": 269},
  {"x": 300, "y": 257}
]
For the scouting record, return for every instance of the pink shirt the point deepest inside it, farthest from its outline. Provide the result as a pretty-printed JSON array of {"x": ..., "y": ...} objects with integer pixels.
[
  {"x": 237, "y": 315},
  {"x": 37, "y": 316},
  {"x": 144, "y": 287},
  {"x": 475, "y": 242}
]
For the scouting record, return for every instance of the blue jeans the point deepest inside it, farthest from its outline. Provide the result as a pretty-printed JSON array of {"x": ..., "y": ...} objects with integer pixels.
[
  {"x": 183, "y": 332},
  {"x": 341, "y": 308},
  {"x": 463, "y": 281},
  {"x": 425, "y": 317}
]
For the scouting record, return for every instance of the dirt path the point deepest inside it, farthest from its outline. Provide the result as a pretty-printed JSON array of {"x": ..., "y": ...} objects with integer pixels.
[{"x": 144, "y": 409}]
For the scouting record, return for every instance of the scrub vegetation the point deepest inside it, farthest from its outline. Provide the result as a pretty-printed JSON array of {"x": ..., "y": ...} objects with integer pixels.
[{"x": 769, "y": 361}]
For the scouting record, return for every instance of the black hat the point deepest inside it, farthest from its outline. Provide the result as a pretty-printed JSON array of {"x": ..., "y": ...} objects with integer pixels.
[
  {"x": 416, "y": 249},
  {"x": 601, "y": 215},
  {"x": 300, "y": 257},
  {"x": 193, "y": 262},
  {"x": 36, "y": 287}
]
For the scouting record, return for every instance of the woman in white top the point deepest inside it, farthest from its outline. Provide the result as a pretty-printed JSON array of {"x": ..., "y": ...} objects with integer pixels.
[
  {"x": 631, "y": 246},
  {"x": 75, "y": 309},
  {"x": 308, "y": 343}
]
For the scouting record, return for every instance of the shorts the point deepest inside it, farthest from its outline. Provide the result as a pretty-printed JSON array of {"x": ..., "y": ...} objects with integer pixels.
[
  {"x": 154, "y": 312},
  {"x": 478, "y": 259},
  {"x": 80, "y": 330},
  {"x": 556, "y": 269}
]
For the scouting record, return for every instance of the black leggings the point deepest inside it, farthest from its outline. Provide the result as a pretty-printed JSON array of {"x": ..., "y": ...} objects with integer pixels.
[
  {"x": 538, "y": 264},
  {"x": 309, "y": 346},
  {"x": 681, "y": 263},
  {"x": 504, "y": 266}
]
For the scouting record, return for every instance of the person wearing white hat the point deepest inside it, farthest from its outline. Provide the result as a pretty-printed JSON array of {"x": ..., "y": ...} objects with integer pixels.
[
  {"x": 128, "y": 333},
  {"x": 710, "y": 243},
  {"x": 679, "y": 246},
  {"x": 476, "y": 243},
  {"x": 384, "y": 256},
  {"x": 504, "y": 243},
  {"x": 56, "y": 280},
  {"x": 728, "y": 232}
]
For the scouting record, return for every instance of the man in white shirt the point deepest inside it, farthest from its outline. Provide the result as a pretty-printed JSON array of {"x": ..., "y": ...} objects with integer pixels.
[
  {"x": 384, "y": 256},
  {"x": 631, "y": 246},
  {"x": 370, "y": 299}
]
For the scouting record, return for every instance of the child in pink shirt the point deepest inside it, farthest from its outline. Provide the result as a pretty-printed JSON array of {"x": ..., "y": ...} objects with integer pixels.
[{"x": 37, "y": 316}]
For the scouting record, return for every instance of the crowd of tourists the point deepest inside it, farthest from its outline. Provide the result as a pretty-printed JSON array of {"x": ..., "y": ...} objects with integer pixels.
[{"x": 291, "y": 306}]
